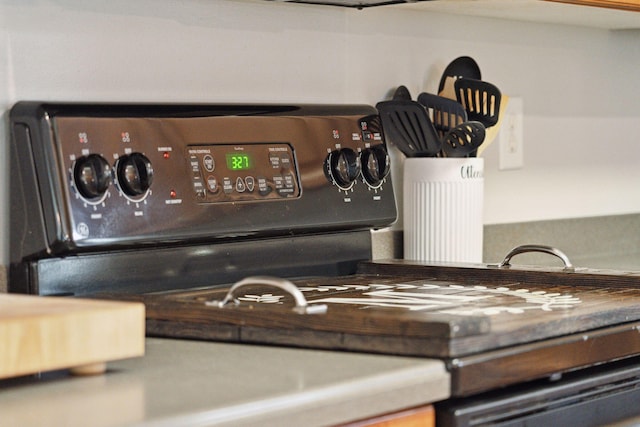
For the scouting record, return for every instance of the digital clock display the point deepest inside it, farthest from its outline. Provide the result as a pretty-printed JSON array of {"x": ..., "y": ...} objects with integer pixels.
[{"x": 239, "y": 161}]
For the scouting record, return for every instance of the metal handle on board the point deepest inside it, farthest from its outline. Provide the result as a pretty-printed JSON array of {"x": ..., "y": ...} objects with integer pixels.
[
  {"x": 537, "y": 248},
  {"x": 301, "y": 307}
]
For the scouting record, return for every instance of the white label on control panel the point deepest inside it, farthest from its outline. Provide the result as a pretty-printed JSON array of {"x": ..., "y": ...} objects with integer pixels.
[{"x": 82, "y": 229}]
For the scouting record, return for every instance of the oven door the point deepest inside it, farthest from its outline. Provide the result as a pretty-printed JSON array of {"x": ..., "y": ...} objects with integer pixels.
[{"x": 593, "y": 397}]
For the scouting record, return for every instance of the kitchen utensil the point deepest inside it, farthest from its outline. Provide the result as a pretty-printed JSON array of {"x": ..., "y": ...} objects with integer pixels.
[
  {"x": 461, "y": 67},
  {"x": 463, "y": 140},
  {"x": 492, "y": 132},
  {"x": 445, "y": 113},
  {"x": 449, "y": 91},
  {"x": 480, "y": 99},
  {"x": 408, "y": 126},
  {"x": 402, "y": 93}
]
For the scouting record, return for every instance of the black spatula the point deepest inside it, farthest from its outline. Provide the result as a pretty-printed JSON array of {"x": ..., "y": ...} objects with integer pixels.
[
  {"x": 445, "y": 113},
  {"x": 408, "y": 126},
  {"x": 402, "y": 93},
  {"x": 480, "y": 99},
  {"x": 463, "y": 140}
]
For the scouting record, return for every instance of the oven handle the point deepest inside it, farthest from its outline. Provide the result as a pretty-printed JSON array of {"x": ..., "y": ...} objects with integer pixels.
[
  {"x": 301, "y": 307},
  {"x": 506, "y": 263}
]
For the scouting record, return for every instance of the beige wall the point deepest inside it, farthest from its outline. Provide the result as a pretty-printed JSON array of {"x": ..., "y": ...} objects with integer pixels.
[{"x": 581, "y": 100}]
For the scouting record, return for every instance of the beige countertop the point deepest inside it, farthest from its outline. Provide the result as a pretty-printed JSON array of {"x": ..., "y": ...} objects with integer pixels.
[
  {"x": 608, "y": 242},
  {"x": 193, "y": 383}
]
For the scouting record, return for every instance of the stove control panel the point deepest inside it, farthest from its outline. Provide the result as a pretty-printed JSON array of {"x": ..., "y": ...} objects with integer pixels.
[
  {"x": 243, "y": 172},
  {"x": 93, "y": 177}
]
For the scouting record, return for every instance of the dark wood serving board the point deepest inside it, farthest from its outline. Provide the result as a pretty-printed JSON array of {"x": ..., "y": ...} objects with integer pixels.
[{"x": 493, "y": 326}]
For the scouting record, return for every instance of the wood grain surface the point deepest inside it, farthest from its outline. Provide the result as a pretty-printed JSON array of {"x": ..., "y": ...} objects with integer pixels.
[
  {"x": 629, "y": 5},
  {"x": 494, "y": 327},
  {"x": 48, "y": 333},
  {"x": 423, "y": 416},
  {"x": 400, "y": 315}
]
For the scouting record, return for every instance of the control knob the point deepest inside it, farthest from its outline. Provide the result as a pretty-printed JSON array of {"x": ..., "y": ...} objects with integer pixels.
[
  {"x": 134, "y": 173},
  {"x": 375, "y": 165},
  {"x": 92, "y": 176},
  {"x": 343, "y": 167}
]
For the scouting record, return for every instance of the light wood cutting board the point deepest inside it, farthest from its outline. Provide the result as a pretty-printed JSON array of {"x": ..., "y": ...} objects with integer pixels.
[{"x": 40, "y": 334}]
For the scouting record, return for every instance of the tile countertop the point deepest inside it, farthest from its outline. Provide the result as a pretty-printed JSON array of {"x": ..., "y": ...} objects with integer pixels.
[{"x": 181, "y": 382}]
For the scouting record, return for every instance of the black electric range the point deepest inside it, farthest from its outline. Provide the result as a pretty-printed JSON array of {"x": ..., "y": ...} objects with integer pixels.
[{"x": 252, "y": 224}]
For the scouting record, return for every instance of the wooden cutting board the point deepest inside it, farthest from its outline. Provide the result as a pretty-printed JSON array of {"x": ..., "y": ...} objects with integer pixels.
[{"x": 49, "y": 333}]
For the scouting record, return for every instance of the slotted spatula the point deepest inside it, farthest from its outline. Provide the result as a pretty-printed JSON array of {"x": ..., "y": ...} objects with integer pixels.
[
  {"x": 445, "y": 113},
  {"x": 464, "y": 139},
  {"x": 480, "y": 99},
  {"x": 408, "y": 126}
]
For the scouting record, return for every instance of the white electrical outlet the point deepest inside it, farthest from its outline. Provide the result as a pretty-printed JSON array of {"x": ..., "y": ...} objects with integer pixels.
[{"x": 511, "y": 136}]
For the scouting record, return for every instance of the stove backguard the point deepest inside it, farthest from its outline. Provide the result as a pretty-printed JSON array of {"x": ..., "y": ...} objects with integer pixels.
[{"x": 138, "y": 198}]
